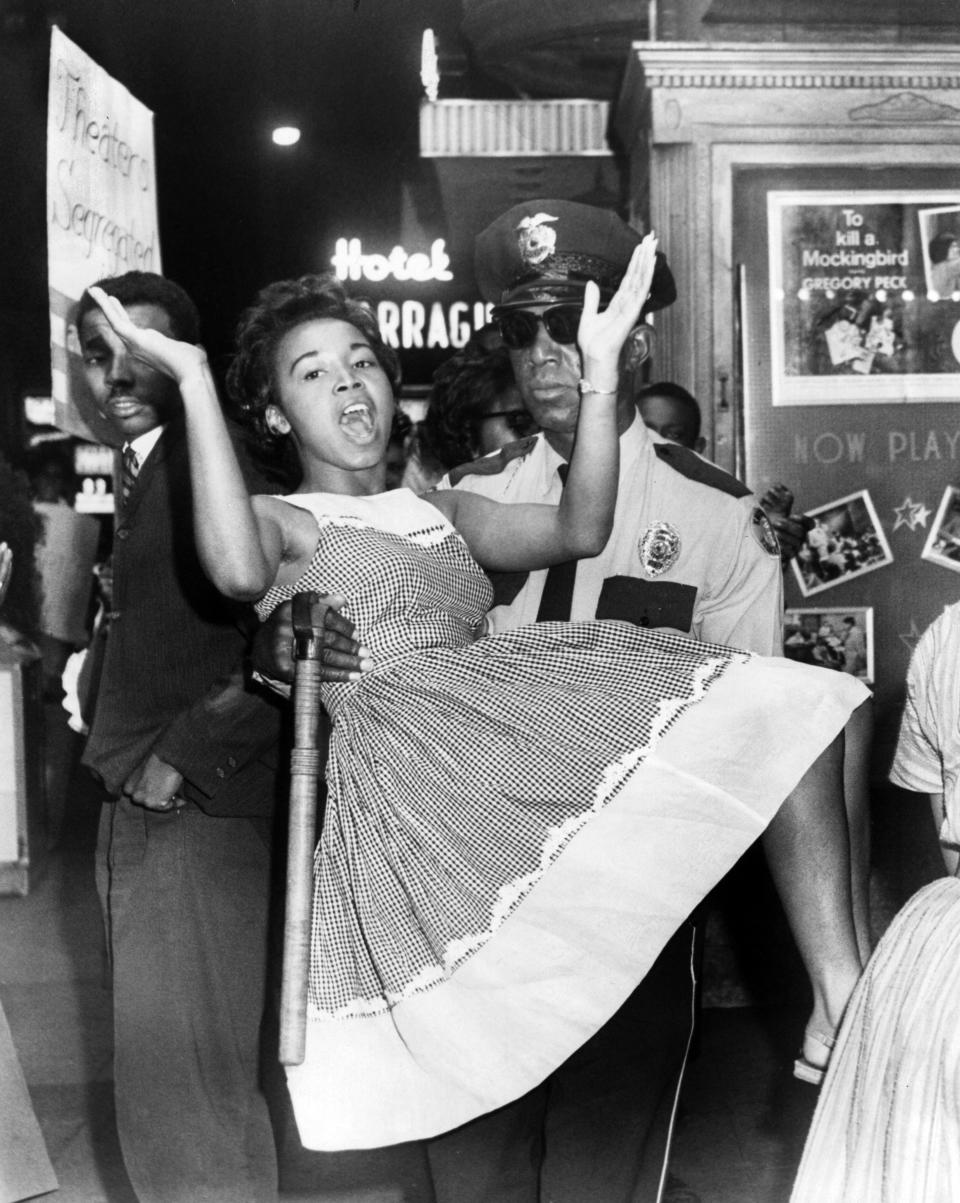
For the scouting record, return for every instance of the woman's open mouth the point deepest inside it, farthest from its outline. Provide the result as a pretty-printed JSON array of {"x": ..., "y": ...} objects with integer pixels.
[{"x": 359, "y": 421}]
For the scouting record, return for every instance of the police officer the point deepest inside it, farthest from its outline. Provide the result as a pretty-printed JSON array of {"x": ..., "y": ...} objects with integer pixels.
[{"x": 691, "y": 551}]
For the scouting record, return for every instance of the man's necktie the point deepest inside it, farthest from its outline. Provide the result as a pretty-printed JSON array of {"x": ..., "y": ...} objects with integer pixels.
[
  {"x": 557, "y": 597},
  {"x": 129, "y": 468}
]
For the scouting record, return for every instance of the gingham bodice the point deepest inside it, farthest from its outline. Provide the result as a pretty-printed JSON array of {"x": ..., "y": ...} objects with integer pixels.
[{"x": 409, "y": 579}]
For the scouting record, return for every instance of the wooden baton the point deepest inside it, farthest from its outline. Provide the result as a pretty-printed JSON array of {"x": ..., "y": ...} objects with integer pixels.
[{"x": 305, "y": 769}]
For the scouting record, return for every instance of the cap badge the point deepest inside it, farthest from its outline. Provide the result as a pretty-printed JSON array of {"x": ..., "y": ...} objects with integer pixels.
[
  {"x": 536, "y": 241},
  {"x": 658, "y": 548}
]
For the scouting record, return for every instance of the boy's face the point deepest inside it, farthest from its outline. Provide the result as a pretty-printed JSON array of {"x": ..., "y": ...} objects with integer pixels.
[
  {"x": 133, "y": 397},
  {"x": 670, "y": 418}
]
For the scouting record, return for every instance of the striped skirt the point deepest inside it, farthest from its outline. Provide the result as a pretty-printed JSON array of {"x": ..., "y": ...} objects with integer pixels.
[{"x": 887, "y": 1124}]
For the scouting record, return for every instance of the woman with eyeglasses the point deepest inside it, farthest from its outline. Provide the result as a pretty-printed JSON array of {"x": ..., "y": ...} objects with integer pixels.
[
  {"x": 515, "y": 824},
  {"x": 475, "y": 408}
]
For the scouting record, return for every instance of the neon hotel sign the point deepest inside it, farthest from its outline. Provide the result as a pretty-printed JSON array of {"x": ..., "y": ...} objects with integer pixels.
[{"x": 411, "y": 324}]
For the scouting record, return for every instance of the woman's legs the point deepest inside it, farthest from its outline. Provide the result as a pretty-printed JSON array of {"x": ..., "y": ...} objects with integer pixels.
[{"x": 808, "y": 850}]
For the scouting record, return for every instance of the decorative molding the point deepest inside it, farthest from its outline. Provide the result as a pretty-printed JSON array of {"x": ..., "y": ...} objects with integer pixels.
[
  {"x": 681, "y": 90},
  {"x": 513, "y": 128},
  {"x": 905, "y": 108},
  {"x": 762, "y": 65},
  {"x": 808, "y": 79}
]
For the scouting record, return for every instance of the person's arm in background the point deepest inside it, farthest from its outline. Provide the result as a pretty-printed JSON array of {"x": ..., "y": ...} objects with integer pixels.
[
  {"x": 209, "y": 742},
  {"x": 235, "y": 722},
  {"x": 776, "y": 503},
  {"x": 949, "y": 852},
  {"x": 918, "y": 759}
]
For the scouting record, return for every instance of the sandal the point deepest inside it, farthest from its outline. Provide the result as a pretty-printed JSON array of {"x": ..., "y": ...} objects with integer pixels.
[{"x": 805, "y": 1070}]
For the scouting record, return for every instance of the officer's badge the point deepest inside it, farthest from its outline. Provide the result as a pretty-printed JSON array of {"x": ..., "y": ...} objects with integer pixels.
[
  {"x": 658, "y": 548},
  {"x": 536, "y": 241},
  {"x": 764, "y": 533}
]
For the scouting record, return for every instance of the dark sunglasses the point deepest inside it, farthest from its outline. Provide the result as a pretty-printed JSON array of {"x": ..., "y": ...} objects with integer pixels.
[
  {"x": 518, "y": 327},
  {"x": 518, "y": 421}
]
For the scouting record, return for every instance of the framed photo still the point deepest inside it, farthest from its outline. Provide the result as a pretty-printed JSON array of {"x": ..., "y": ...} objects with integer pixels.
[
  {"x": 940, "y": 244},
  {"x": 864, "y": 296},
  {"x": 846, "y": 541},
  {"x": 834, "y": 637},
  {"x": 943, "y": 543}
]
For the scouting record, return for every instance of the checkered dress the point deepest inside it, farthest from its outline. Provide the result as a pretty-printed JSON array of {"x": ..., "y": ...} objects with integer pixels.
[
  {"x": 460, "y": 767},
  {"x": 463, "y": 771}
]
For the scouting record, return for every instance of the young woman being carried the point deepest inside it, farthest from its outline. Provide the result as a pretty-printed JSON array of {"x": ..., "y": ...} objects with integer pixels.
[{"x": 515, "y": 824}]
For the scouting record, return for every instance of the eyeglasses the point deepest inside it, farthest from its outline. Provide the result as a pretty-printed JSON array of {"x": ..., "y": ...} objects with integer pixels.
[
  {"x": 518, "y": 327},
  {"x": 518, "y": 421}
]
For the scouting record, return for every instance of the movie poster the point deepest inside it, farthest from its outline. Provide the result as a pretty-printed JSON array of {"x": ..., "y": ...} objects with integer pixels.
[
  {"x": 101, "y": 208},
  {"x": 864, "y": 297}
]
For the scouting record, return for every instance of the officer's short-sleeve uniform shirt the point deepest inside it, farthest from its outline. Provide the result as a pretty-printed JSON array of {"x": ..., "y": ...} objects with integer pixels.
[
  {"x": 927, "y": 758},
  {"x": 690, "y": 549}
]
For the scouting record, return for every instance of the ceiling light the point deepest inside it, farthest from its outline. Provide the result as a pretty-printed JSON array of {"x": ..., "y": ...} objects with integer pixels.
[{"x": 286, "y": 135}]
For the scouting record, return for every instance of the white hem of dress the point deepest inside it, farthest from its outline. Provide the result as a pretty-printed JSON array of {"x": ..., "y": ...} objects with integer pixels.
[{"x": 590, "y": 929}]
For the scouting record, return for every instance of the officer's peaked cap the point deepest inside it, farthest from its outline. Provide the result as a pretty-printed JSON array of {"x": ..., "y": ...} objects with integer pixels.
[{"x": 544, "y": 251}]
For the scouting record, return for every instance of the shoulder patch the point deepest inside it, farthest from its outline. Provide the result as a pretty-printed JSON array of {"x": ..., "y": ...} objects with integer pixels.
[
  {"x": 694, "y": 467},
  {"x": 493, "y": 464},
  {"x": 762, "y": 530}
]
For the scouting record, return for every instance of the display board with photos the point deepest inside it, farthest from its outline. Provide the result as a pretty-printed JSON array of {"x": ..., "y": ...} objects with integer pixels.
[{"x": 850, "y": 370}]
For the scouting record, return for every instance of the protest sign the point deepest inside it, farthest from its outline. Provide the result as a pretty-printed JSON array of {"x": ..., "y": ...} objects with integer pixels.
[{"x": 101, "y": 208}]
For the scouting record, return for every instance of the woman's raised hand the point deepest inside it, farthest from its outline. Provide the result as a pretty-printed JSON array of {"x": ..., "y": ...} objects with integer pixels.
[
  {"x": 601, "y": 335},
  {"x": 179, "y": 360}
]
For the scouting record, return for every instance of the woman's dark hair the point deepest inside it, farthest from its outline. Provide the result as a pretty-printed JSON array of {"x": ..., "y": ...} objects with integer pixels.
[
  {"x": 464, "y": 388},
  {"x": 402, "y": 427},
  {"x": 939, "y": 246},
  {"x": 147, "y": 288},
  {"x": 279, "y": 308}
]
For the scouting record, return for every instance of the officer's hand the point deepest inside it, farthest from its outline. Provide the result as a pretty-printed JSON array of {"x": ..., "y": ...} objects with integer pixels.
[
  {"x": 154, "y": 785},
  {"x": 791, "y": 533},
  {"x": 778, "y": 499},
  {"x": 343, "y": 657}
]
